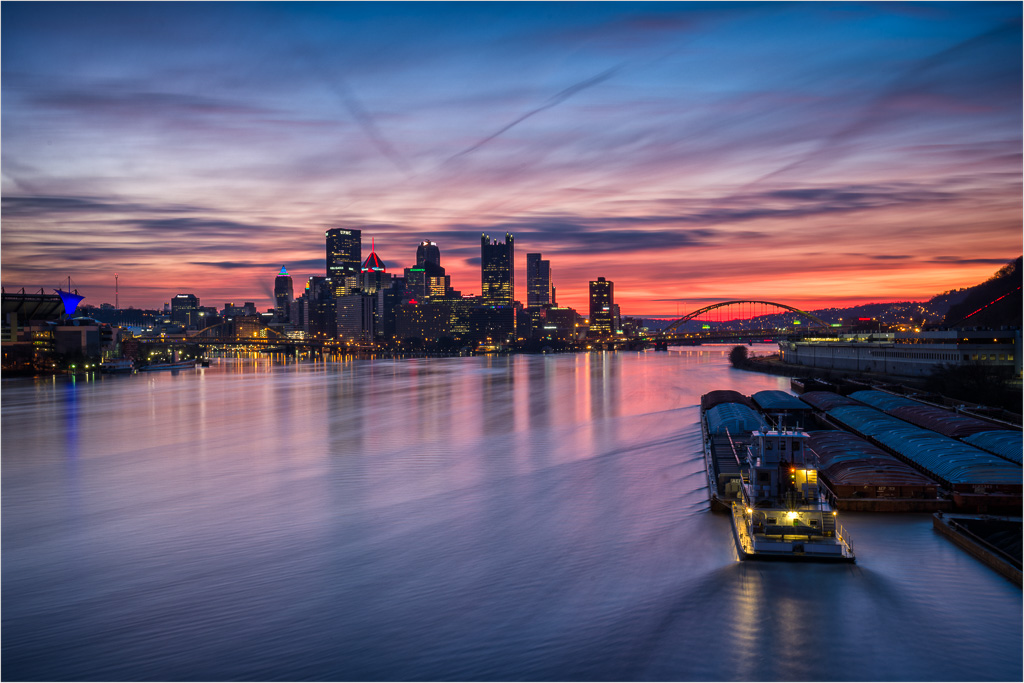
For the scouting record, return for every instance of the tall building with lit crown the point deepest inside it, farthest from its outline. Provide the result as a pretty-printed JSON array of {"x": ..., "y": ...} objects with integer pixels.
[
  {"x": 602, "y": 302},
  {"x": 539, "y": 291},
  {"x": 373, "y": 276},
  {"x": 283, "y": 295},
  {"x": 497, "y": 271},
  {"x": 185, "y": 309},
  {"x": 344, "y": 259},
  {"x": 428, "y": 252},
  {"x": 359, "y": 311},
  {"x": 427, "y": 279}
]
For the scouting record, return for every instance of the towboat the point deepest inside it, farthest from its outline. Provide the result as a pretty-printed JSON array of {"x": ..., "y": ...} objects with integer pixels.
[{"x": 780, "y": 512}]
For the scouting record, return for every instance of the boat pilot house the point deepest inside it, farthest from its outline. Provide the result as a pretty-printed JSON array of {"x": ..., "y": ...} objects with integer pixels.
[{"x": 780, "y": 470}]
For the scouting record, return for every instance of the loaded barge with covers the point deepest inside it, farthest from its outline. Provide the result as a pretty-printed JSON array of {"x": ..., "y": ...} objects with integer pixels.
[{"x": 766, "y": 478}]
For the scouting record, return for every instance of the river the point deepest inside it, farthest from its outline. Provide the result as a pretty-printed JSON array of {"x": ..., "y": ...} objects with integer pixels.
[{"x": 487, "y": 518}]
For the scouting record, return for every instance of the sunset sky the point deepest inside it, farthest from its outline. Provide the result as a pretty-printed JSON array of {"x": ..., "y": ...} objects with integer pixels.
[{"x": 814, "y": 154}]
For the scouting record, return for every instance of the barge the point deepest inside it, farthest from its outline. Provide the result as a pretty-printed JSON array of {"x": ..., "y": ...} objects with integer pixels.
[
  {"x": 977, "y": 480},
  {"x": 993, "y": 540},
  {"x": 980, "y": 472},
  {"x": 727, "y": 418}
]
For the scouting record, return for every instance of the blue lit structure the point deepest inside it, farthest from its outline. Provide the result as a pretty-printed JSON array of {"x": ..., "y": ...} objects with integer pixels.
[{"x": 70, "y": 300}]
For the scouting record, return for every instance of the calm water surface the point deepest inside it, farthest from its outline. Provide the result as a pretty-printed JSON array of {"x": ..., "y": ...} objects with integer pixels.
[{"x": 513, "y": 518}]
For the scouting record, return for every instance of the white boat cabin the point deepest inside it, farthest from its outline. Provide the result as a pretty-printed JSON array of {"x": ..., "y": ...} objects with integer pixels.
[{"x": 781, "y": 469}]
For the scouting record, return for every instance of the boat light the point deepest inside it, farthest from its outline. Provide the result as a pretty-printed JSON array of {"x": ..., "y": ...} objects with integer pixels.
[
  {"x": 790, "y": 515},
  {"x": 750, "y": 511},
  {"x": 834, "y": 513}
]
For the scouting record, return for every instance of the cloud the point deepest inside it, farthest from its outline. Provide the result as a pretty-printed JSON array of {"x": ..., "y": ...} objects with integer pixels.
[
  {"x": 296, "y": 266},
  {"x": 120, "y": 102},
  {"x": 958, "y": 260},
  {"x": 206, "y": 228},
  {"x": 696, "y": 223},
  {"x": 44, "y": 205},
  {"x": 911, "y": 87},
  {"x": 367, "y": 122}
]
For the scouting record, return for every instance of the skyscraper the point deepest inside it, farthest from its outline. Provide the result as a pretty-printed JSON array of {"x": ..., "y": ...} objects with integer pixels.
[
  {"x": 344, "y": 258},
  {"x": 317, "y": 309},
  {"x": 497, "y": 271},
  {"x": 373, "y": 276},
  {"x": 427, "y": 252},
  {"x": 357, "y": 319},
  {"x": 359, "y": 313},
  {"x": 427, "y": 278},
  {"x": 283, "y": 295},
  {"x": 602, "y": 299},
  {"x": 539, "y": 291},
  {"x": 185, "y": 309}
]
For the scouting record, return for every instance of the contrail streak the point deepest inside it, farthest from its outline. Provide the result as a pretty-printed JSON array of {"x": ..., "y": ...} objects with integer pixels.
[
  {"x": 363, "y": 119},
  {"x": 553, "y": 102},
  {"x": 871, "y": 113},
  {"x": 366, "y": 122}
]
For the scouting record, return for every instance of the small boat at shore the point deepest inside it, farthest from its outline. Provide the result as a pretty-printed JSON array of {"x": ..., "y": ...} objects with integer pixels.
[
  {"x": 117, "y": 365},
  {"x": 175, "y": 365}
]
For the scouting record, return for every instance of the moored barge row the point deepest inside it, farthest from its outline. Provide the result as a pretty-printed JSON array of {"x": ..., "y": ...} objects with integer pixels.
[
  {"x": 870, "y": 460},
  {"x": 174, "y": 365},
  {"x": 962, "y": 468},
  {"x": 973, "y": 430},
  {"x": 981, "y": 472},
  {"x": 864, "y": 478}
]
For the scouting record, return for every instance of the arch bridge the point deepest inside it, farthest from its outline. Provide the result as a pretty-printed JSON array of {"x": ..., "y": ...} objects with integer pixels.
[
  {"x": 740, "y": 302},
  {"x": 755, "y": 309}
]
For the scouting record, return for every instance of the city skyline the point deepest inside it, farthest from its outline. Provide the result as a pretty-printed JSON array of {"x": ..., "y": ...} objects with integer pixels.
[{"x": 818, "y": 154}]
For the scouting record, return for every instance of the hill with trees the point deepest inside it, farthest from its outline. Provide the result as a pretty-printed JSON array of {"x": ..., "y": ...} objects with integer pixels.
[{"x": 996, "y": 302}]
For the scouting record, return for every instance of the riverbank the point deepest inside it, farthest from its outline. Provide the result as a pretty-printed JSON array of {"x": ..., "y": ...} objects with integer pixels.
[
  {"x": 773, "y": 365},
  {"x": 916, "y": 386}
]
